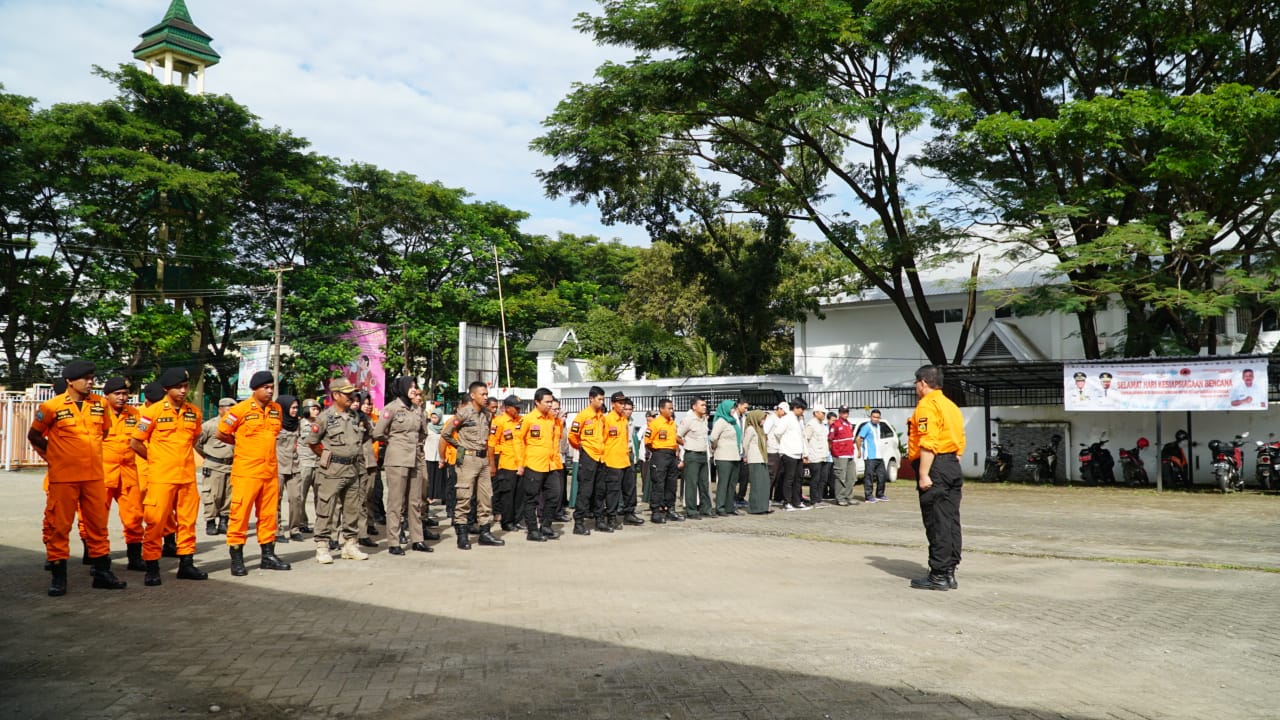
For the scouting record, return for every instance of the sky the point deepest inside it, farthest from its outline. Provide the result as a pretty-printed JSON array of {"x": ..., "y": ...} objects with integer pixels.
[{"x": 444, "y": 89}]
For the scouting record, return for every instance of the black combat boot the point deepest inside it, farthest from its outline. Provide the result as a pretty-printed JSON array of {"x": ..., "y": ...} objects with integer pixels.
[
  {"x": 134, "y": 552},
  {"x": 431, "y": 522},
  {"x": 473, "y": 528},
  {"x": 487, "y": 537},
  {"x": 428, "y": 533},
  {"x": 633, "y": 519},
  {"x": 934, "y": 581},
  {"x": 536, "y": 536},
  {"x": 580, "y": 527},
  {"x": 237, "y": 561},
  {"x": 269, "y": 560},
  {"x": 951, "y": 579},
  {"x": 187, "y": 569},
  {"x": 85, "y": 559},
  {"x": 222, "y": 525},
  {"x": 103, "y": 578},
  {"x": 603, "y": 524},
  {"x": 58, "y": 583},
  {"x": 464, "y": 543},
  {"x": 152, "y": 578},
  {"x": 550, "y": 533},
  {"x": 615, "y": 522},
  {"x": 170, "y": 548},
  {"x": 372, "y": 529},
  {"x": 211, "y": 527}
]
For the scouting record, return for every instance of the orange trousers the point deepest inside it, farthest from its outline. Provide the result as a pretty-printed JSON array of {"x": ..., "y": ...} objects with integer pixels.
[
  {"x": 62, "y": 502},
  {"x": 128, "y": 499},
  {"x": 158, "y": 508},
  {"x": 260, "y": 495}
]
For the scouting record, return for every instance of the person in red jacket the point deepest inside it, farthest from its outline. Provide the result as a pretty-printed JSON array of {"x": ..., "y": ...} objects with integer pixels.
[{"x": 843, "y": 469}]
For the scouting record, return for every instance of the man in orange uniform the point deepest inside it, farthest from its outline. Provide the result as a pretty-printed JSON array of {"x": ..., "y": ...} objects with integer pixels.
[
  {"x": 540, "y": 467},
  {"x": 167, "y": 432},
  {"x": 251, "y": 426},
  {"x": 935, "y": 441},
  {"x": 121, "y": 470},
  {"x": 617, "y": 460},
  {"x": 504, "y": 461},
  {"x": 586, "y": 434},
  {"x": 664, "y": 466},
  {"x": 68, "y": 431}
]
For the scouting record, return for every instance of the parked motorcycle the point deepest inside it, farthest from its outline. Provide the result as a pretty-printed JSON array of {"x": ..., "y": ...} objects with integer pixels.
[
  {"x": 1097, "y": 465},
  {"x": 999, "y": 463},
  {"x": 1131, "y": 465},
  {"x": 1265, "y": 463},
  {"x": 1173, "y": 463},
  {"x": 1228, "y": 462},
  {"x": 1042, "y": 462}
]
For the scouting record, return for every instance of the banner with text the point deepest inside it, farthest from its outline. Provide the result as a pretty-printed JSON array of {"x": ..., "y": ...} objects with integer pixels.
[
  {"x": 1223, "y": 384},
  {"x": 255, "y": 355},
  {"x": 365, "y": 371}
]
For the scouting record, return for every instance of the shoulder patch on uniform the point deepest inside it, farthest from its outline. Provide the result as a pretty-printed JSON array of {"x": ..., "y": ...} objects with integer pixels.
[
  {"x": 315, "y": 428},
  {"x": 922, "y": 425},
  {"x": 144, "y": 422},
  {"x": 231, "y": 418},
  {"x": 493, "y": 429},
  {"x": 575, "y": 427},
  {"x": 40, "y": 415}
]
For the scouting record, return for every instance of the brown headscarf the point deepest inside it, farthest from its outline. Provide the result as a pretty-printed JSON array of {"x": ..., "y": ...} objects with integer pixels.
[{"x": 755, "y": 419}]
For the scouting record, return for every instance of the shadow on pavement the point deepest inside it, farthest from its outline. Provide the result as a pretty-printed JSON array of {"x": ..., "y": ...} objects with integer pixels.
[
  {"x": 898, "y": 568},
  {"x": 179, "y": 649}
]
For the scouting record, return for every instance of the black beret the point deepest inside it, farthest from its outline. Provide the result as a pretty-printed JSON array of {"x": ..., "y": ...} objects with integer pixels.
[
  {"x": 511, "y": 401},
  {"x": 59, "y": 386},
  {"x": 154, "y": 391},
  {"x": 77, "y": 369},
  {"x": 260, "y": 378},
  {"x": 173, "y": 377},
  {"x": 114, "y": 384},
  {"x": 618, "y": 397}
]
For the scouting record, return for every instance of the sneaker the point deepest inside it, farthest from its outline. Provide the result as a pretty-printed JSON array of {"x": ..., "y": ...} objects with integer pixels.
[
  {"x": 351, "y": 551},
  {"x": 790, "y": 508},
  {"x": 322, "y": 555},
  {"x": 882, "y": 499},
  {"x": 870, "y": 500}
]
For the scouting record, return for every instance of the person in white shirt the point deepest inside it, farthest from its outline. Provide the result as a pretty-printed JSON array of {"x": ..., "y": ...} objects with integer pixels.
[
  {"x": 771, "y": 447},
  {"x": 788, "y": 431},
  {"x": 818, "y": 453}
]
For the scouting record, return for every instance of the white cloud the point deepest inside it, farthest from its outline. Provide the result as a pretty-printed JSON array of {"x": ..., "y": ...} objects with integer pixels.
[{"x": 449, "y": 91}]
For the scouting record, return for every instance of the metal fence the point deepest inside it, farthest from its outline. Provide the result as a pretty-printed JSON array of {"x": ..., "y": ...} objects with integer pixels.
[
  {"x": 16, "y": 413},
  {"x": 765, "y": 399}
]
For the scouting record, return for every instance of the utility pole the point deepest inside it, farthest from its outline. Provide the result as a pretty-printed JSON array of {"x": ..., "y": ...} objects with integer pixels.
[
  {"x": 404, "y": 335},
  {"x": 275, "y": 343},
  {"x": 502, "y": 312}
]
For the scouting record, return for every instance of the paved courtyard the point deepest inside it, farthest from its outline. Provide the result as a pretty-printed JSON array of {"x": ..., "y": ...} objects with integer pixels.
[{"x": 1073, "y": 603}]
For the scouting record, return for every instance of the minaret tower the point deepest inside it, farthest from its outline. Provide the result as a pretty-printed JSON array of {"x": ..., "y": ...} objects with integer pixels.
[{"x": 178, "y": 48}]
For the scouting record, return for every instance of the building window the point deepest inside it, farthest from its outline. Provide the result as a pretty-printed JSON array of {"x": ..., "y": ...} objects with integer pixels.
[{"x": 950, "y": 315}]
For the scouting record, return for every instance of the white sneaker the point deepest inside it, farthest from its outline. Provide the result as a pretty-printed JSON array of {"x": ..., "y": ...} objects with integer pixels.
[
  {"x": 322, "y": 555},
  {"x": 790, "y": 508},
  {"x": 351, "y": 551}
]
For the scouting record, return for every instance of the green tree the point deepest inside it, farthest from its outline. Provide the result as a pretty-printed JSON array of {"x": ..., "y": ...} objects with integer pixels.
[
  {"x": 1134, "y": 143},
  {"x": 797, "y": 103}
]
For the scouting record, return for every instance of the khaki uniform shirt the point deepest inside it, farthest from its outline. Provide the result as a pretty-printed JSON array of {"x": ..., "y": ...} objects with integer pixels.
[
  {"x": 209, "y": 446},
  {"x": 287, "y": 451},
  {"x": 693, "y": 430},
  {"x": 472, "y": 427},
  {"x": 402, "y": 429},
  {"x": 343, "y": 435}
]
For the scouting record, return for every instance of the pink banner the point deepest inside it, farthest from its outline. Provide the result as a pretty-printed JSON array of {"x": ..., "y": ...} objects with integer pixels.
[{"x": 365, "y": 371}]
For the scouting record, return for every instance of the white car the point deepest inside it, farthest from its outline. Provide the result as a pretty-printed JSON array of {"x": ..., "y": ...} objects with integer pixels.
[{"x": 887, "y": 449}]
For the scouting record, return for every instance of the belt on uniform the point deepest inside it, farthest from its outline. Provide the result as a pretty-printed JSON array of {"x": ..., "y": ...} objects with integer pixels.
[
  {"x": 695, "y": 452},
  {"x": 344, "y": 460},
  {"x": 950, "y": 454},
  {"x": 216, "y": 460},
  {"x": 463, "y": 452},
  {"x": 665, "y": 450}
]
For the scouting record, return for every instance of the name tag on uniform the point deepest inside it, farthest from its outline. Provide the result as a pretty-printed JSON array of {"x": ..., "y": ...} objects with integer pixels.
[
  {"x": 535, "y": 431},
  {"x": 252, "y": 416},
  {"x": 96, "y": 410},
  {"x": 662, "y": 434},
  {"x": 589, "y": 431},
  {"x": 507, "y": 435},
  {"x": 188, "y": 415},
  {"x": 64, "y": 415},
  {"x": 131, "y": 421},
  {"x": 613, "y": 432},
  {"x": 164, "y": 420},
  {"x": 273, "y": 414}
]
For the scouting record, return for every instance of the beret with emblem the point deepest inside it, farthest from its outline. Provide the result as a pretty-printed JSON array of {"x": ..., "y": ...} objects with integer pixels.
[
  {"x": 153, "y": 392},
  {"x": 114, "y": 384},
  {"x": 77, "y": 369},
  {"x": 173, "y": 377},
  {"x": 260, "y": 378},
  {"x": 511, "y": 401}
]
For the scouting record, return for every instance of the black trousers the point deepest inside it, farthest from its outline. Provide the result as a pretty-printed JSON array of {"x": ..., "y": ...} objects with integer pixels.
[
  {"x": 590, "y": 474},
  {"x": 790, "y": 479},
  {"x": 819, "y": 481},
  {"x": 608, "y": 500},
  {"x": 628, "y": 490},
  {"x": 664, "y": 479},
  {"x": 940, "y": 510},
  {"x": 873, "y": 477},
  {"x": 506, "y": 486},
  {"x": 544, "y": 485},
  {"x": 775, "y": 476}
]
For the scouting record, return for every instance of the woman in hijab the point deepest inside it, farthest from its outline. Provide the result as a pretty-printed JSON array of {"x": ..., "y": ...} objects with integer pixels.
[
  {"x": 401, "y": 429},
  {"x": 726, "y": 446},
  {"x": 435, "y": 476},
  {"x": 288, "y": 466},
  {"x": 756, "y": 456}
]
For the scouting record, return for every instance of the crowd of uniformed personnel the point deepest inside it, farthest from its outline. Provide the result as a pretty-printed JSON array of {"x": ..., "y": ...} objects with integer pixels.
[{"x": 101, "y": 450}]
